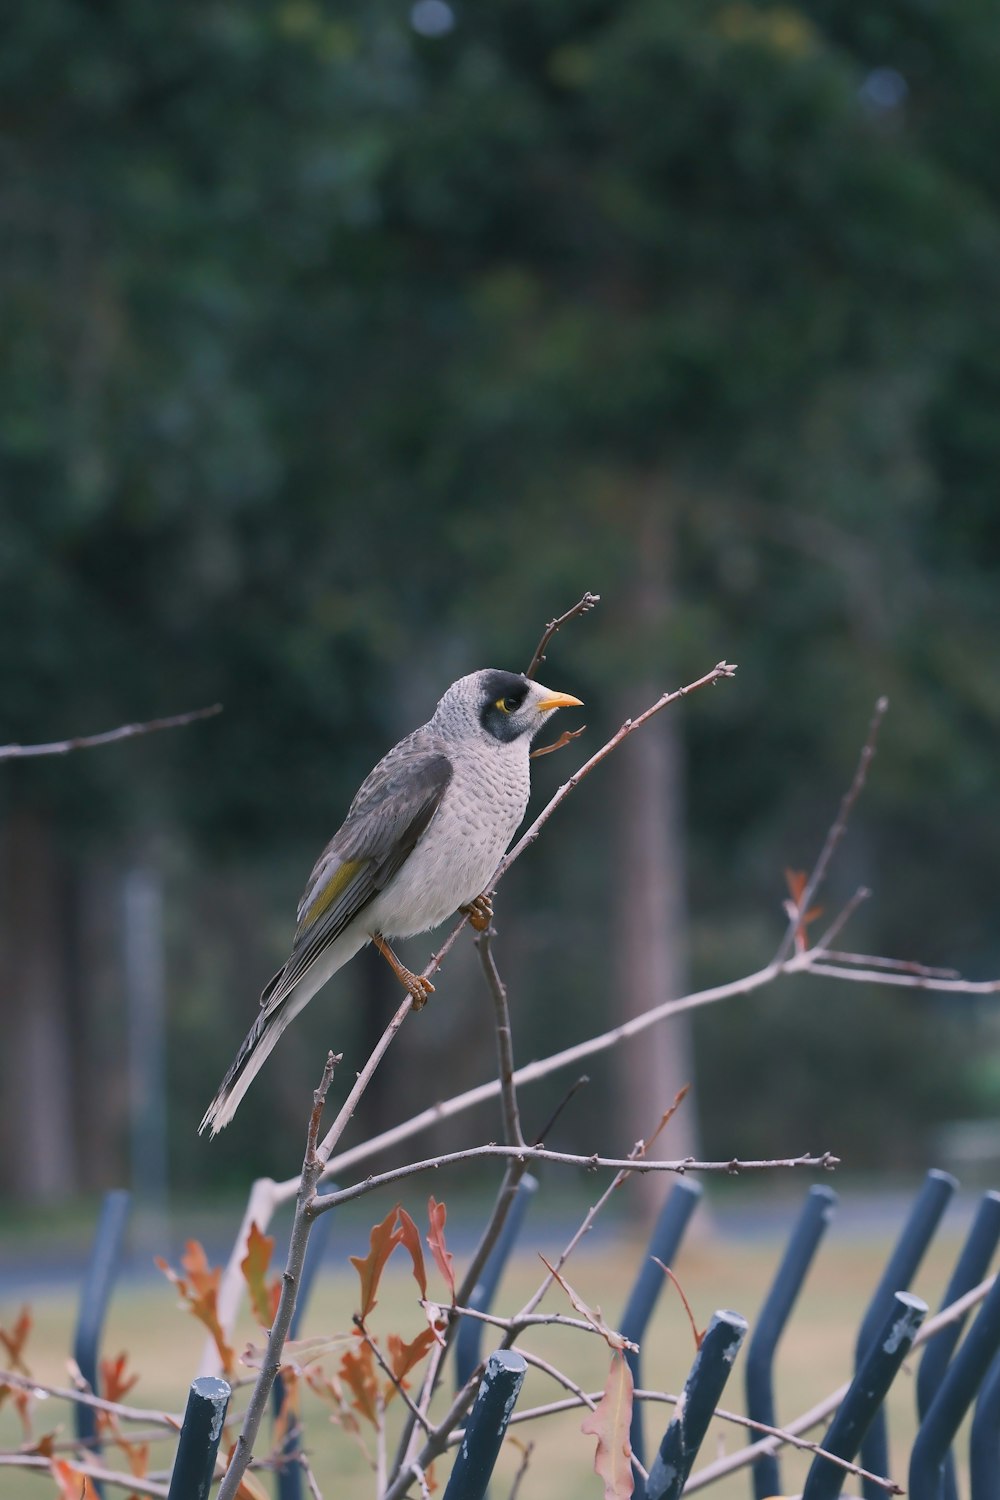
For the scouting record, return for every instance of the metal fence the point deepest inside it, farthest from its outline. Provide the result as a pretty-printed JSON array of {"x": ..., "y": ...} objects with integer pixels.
[{"x": 952, "y": 1377}]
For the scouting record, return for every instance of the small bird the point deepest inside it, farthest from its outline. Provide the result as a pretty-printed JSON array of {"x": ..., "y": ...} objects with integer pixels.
[{"x": 421, "y": 840}]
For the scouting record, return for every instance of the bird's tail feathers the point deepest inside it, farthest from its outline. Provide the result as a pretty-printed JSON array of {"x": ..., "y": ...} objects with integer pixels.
[{"x": 256, "y": 1048}]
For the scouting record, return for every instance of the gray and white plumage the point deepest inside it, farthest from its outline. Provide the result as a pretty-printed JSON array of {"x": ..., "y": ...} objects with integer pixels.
[{"x": 422, "y": 837}]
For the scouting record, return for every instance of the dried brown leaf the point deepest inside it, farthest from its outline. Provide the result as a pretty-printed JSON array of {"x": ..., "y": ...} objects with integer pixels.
[
  {"x": 382, "y": 1241},
  {"x": 437, "y": 1214},
  {"x": 610, "y": 1423}
]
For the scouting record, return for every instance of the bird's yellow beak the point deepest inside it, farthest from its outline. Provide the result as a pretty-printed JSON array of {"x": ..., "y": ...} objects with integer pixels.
[{"x": 559, "y": 700}]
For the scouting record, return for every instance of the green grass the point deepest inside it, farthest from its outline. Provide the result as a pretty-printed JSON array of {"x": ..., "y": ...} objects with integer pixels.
[{"x": 164, "y": 1345}]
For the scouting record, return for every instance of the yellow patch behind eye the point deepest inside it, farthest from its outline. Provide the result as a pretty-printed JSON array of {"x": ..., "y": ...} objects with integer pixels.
[
  {"x": 328, "y": 895},
  {"x": 501, "y": 704}
]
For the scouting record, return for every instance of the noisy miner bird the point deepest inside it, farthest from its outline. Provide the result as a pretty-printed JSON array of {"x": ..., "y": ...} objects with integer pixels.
[{"x": 421, "y": 840}]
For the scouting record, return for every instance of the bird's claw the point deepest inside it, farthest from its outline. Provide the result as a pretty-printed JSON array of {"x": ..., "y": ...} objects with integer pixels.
[
  {"x": 479, "y": 912},
  {"x": 419, "y": 989}
]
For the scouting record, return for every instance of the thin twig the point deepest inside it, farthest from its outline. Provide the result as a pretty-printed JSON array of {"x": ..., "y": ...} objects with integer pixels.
[
  {"x": 520, "y": 1322},
  {"x": 311, "y": 1482},
  {"x": 570, "y": 1093},
  {"x": 581, "y": 607},
  {"x": 84, "y": 1398},
  {"x": 529, "y": 1449},
  {"x": 92, "y": 1471},
  {"x": 505, "y": 1040},
  {"x": 907, "y": 981},
  {"x": 839, "y": 922},
  {"x": 837, "y": 830},
  {"x": 109, "y": 736},
  {"x": 898, "y": 965}
]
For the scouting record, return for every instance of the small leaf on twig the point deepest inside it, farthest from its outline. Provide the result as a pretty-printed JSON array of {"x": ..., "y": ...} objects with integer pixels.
[
  {"x": 72, "y": 1485},
  {"x": 199, "y": 1289},
  {"x": 114, "y": 1382},
  {"x": 409, "y": 1236},
  {"x": 404, "y": 1357},
  {"x": 14, "y": 1340},
  {"x": 437, "y": 1213},
  {"x": 357, "y": 1371},
  {"x": 687, "y": 1306},
  {"x": 263, "y": 1298},
  {"x": 382, "y": 1241},
  {"x": 610, "y": 1423},
  {"x": 593, "y": 1315},
  {"x": 796, "y": 880}
]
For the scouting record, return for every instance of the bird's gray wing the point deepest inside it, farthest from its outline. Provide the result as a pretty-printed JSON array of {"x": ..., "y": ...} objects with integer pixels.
[{"x": 390, "y": 812}]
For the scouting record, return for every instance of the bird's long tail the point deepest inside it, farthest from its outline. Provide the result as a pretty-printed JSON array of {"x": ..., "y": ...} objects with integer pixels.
[{"x": 257, "y": 1046}]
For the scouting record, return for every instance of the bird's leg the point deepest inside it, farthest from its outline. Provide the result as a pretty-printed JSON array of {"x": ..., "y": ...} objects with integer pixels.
[
  {"x": 479, "y": 912},
  {"x": 419, "y": 987}
]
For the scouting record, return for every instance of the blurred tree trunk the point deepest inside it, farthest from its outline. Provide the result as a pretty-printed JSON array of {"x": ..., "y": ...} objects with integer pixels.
[
  {"x": 39, "y": 1153},
  {"x": 650, "y": 909}
]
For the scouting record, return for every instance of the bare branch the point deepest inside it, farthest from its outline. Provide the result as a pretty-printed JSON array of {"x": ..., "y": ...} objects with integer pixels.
[
  {"x": 84, "y": 1398},
  {"x": 581, "y": 607},
  {"x": 109, "y": 736},
  {"x": 826, "y": 1162},
  {"x": 837, "y": 830}
]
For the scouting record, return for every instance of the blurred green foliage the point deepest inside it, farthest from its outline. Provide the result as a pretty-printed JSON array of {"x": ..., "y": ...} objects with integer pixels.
[{"x": 337, "y": 357}]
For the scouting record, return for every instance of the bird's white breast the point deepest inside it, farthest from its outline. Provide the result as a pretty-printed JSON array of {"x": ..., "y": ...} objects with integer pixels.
[{"x": 464, "y": 842}]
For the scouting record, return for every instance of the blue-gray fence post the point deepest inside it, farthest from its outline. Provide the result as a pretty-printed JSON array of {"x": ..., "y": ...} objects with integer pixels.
[
  {"x": 664, "y": 1244},
  {"x": 288, "y": 1476},
  {"x": 486, "y": 1425},
  {"x": 956, "y": 1392},
  {"x": 469, "y": 1340},
  {"x": 863, "y": 1401},
  {"x": 711, "y": 1369},
  {"x": 809, "y": 1230},
  {"x": 194, "y": 1466},
  {"x": 102, "y": 1268},
  {"x": 917, "y": 1233},
  {"x": 970, "y": 1268},
  {"x": 984, "y": 1439}
]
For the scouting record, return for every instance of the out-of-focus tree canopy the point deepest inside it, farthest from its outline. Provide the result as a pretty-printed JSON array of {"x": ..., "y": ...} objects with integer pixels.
[{"x": 344, "y": 344}]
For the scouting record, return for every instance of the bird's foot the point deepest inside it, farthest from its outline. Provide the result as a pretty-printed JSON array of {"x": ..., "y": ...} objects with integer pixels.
[
  {"x": 479, "y": 912},
  {"x": 416, "y": 985}
]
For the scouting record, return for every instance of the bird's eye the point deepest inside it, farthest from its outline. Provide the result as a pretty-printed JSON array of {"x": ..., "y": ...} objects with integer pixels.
[{"x": 506, "y": 705}]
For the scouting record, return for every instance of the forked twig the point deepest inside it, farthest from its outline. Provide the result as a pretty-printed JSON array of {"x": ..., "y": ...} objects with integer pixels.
[
  {"x": 836, "y": 832},
  {"x": 581, "y": 607}
]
